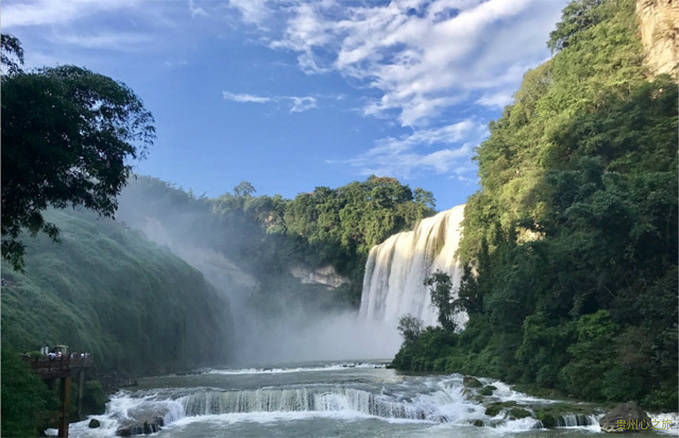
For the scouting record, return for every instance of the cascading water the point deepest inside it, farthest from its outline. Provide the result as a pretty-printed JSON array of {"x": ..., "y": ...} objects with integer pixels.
[
  {"x": 393, "y": 284},
  {"x": 347, "y": 399}
]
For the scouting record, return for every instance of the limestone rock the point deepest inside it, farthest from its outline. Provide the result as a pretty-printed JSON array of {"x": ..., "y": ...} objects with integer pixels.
[{"x": 659, "y": 28}]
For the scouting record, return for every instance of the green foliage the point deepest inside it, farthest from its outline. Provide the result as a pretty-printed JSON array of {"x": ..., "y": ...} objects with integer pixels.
[
  {"x": 12, "y": 54},
  {"x": 410, "y": 327},
  {"x": 105, "y": 289},
  {"x": 576, "y": 17},
  {"x": 67, "y": 137},
  {"x": 94, "y": 398},
  {"x": 25, "y": 398},
  {"x": 573, "y": 236},
  {"x": 440, "y": 290}
]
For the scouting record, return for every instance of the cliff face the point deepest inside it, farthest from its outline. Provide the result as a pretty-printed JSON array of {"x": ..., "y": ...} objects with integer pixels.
[
  {"x": 659, "y": 26},
  {"x": 325, "y": 276}
]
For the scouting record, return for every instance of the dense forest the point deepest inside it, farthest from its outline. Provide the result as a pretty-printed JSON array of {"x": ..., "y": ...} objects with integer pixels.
[{"x": 571, "y": 242}]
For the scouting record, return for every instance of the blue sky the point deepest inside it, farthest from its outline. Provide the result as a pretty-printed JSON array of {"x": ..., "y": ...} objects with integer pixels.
[{"x": 294, "y": 94}]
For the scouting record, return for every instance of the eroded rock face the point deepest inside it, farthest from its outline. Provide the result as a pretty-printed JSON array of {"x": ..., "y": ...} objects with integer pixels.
[
  {"x": 326, "y": 276},
  {"x": 625, "y": 417},
  {"x": 659, "y": 27}
]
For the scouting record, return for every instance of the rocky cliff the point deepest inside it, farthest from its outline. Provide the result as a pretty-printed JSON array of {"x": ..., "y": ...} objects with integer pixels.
[{"x": 659, "y": 26}]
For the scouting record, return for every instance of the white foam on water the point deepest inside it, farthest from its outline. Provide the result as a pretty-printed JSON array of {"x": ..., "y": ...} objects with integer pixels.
[
  {"x": 270, "y": 417},
  {"x": 332, "y": 367},
  {"x": 506, "y": 393},
  {"x": 664, "y": 419},
  {"x": 519, "y": 425}
]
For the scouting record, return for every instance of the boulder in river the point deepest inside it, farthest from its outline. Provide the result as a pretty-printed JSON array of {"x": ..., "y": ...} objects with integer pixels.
[
  {"x": 471, "y": 382},
  {"x": 93, "y": 424},
  {"x": 625, "y": 417}
]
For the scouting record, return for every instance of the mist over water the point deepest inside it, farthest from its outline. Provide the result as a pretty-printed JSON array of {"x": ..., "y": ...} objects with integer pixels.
[{"x": 286, "y": 326}]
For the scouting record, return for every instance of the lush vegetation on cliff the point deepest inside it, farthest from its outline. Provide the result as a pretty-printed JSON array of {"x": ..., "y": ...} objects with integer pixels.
[
  {"x": 107, "y": 290},
  {"x": 573, "y": 235},
  {"x": 266, "y": 236},
  {"x": 104, "y": 289}
]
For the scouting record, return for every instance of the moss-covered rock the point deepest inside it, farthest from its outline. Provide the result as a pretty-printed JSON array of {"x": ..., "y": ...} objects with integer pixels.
[
  {"x": 477, "y": 423},
  {"x": 487, "y": 390},
  {"x": 471, "y": 382},
  {"x": 548, "y": 421},
  {"x": 495, "y": 408},
  {"x": 517, "y": 413}
]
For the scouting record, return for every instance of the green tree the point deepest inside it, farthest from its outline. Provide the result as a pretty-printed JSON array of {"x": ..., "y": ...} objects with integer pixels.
[
  {"x": 67, "y": 137},
  {"x": 25, "y": 398},
  {"x": 244, "y": 190},
  {"x": 440, "y": 288},
  {"x": 410, "y": 327},
  {"x": 576, "y": 17},
  {"x": 12, "y": 53}
]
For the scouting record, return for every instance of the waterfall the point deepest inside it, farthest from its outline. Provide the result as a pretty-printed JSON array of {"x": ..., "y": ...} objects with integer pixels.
[
  {"x": 305, "y": 399},
  {"x": 393, "y": 284}
]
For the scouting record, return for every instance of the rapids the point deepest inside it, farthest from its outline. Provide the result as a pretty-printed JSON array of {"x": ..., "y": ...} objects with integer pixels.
[{"x": 320, "y": 399}]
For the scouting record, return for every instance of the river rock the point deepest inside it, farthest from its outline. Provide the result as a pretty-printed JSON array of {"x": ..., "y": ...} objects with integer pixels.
[
  {"x": 471, "y": 382},
  {"x": 625, "y": 417},
  {"x": 93, "y": 424}
]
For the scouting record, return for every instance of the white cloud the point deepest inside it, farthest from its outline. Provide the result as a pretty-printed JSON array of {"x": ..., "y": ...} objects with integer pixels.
[
  {"x": 110, "y": 40},
  {"x": 245, "y": 98},
  {"x": 423, "y": 56},
  {"x": 196, "y": 10},
  {"x": 408, "y": 156},
  {"x": 56, "y": 12},
  {"x": 498, "y": 99},
  {"x": 252, "y": 11},
  {"x": 297, "y": 104},
  {"x": 300, "y": 104}
]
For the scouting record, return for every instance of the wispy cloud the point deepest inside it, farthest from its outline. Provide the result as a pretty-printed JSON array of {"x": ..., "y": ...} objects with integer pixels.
[
  {"x": 109, "y": 40},
  {"x": 56, "y": 12},
  {"x": 252, "y": 11},
  {"x": 498, "y": 99},
  {"x": 244, "y": 97},
  {"x": 426, "y": 58},
  {"x": 410, "y": 155},
  {"x": 423, "y": 56},
  {"x": 297, "y": 104},
  {"x": 300, "y": 104},
  {"x": 196, "y": 10}
]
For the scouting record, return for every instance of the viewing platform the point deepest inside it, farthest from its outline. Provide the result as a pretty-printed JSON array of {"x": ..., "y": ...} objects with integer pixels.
[
  {"x": 59, "y": 367},
  {"x": 62, "y": 369}
]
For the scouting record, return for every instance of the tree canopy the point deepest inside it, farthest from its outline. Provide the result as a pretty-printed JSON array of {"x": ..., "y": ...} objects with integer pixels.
[{"x": 68, "y": 136}]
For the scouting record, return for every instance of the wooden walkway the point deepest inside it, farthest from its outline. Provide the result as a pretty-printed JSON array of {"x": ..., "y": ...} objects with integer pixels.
[{"x": 63, "y": 369}]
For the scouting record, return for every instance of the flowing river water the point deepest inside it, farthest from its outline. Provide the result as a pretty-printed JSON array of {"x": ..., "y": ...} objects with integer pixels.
[{"x": 349, "y": 399}]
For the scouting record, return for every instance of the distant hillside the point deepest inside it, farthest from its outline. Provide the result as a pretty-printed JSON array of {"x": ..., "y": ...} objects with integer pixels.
[{"x": 106, "y": 289}]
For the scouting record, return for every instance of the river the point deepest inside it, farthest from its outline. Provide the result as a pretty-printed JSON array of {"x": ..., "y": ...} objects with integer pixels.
[{"x": 318, "y": 400}]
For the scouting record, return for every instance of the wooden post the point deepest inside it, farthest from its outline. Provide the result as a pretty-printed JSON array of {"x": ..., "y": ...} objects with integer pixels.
[
  {"x": 65, "y": 406},
  {"x": 81, "y": 385}
]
